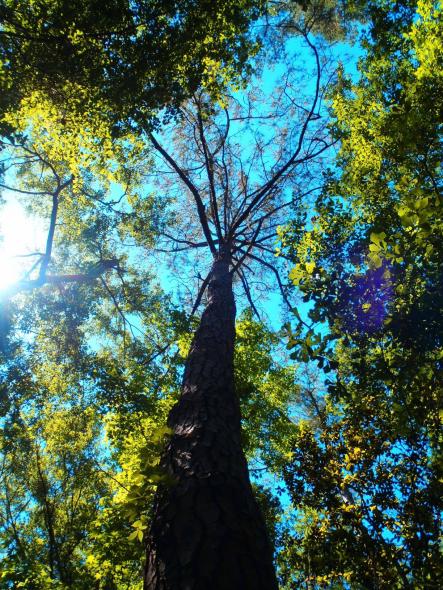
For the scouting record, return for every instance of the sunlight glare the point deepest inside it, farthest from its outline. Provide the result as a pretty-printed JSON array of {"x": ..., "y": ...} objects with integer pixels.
[{"x": 20, "y": 234}]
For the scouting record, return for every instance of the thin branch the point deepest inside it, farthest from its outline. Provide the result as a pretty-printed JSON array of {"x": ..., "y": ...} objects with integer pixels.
[
  {"x": 200, "y": 294},
  {"x": 188, "y": 242},
  {"x": 50, "y": 239},
  {"x": 247, "y": 291},
  {"x": 198, "y": 200},
  {"x": 277, "y": 275},
  {"x": 293, "y": 159},
  {"x": 250, "y": 246},
  {"x": 29, "y": 285},
  {"x": 209, "y": 165},
  {"x": 31, "y": 254},
  {"x": 22, "y": 191}
]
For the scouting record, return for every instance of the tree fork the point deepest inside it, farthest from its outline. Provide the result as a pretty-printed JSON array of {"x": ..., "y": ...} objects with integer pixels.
[{"x": 207, "y": 530}]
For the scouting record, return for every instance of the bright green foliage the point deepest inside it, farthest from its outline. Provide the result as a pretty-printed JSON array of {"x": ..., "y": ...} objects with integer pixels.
[
  {"x": 119, "y": 65},
  {"x": 366, "y": 476},
  {"x": 266, "y": 385}
]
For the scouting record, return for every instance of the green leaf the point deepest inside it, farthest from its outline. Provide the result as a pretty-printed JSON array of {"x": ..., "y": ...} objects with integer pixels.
[{"x": 377, "y": 238}]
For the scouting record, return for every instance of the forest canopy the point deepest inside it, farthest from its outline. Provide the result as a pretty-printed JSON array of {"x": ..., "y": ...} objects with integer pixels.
[{"x": 221, "y": 357}]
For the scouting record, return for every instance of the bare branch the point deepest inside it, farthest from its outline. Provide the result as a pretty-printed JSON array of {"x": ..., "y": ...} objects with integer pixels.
[
  {"x": 50, "y": 239},
  {"x": 250, "y": 246},
  {"x": 200, "y": 294},
  {"x": 22, "y": 191},
  {"x": 247, "y": 291},
  {"x": 94, "y": 273},
  {"x": 262, "y": 192},
  {"x": 209, "y": 165},
  {"x": 277, "y": 275},
  {"x": 195, "y": 193}
]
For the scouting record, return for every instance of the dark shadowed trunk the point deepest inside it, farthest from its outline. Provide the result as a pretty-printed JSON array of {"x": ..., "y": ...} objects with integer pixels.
[{"x": 207, "y": 531}]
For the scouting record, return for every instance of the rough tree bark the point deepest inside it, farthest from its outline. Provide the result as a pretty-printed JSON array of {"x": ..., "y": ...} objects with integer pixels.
[{"x": 207, "y": 530}]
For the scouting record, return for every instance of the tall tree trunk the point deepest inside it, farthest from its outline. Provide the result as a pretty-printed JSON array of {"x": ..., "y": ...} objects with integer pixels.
[{"x": 207, "y": 531}]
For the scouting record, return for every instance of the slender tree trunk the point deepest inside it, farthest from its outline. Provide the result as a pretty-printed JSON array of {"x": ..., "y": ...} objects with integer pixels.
[{"x": 207, "y": 531}]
